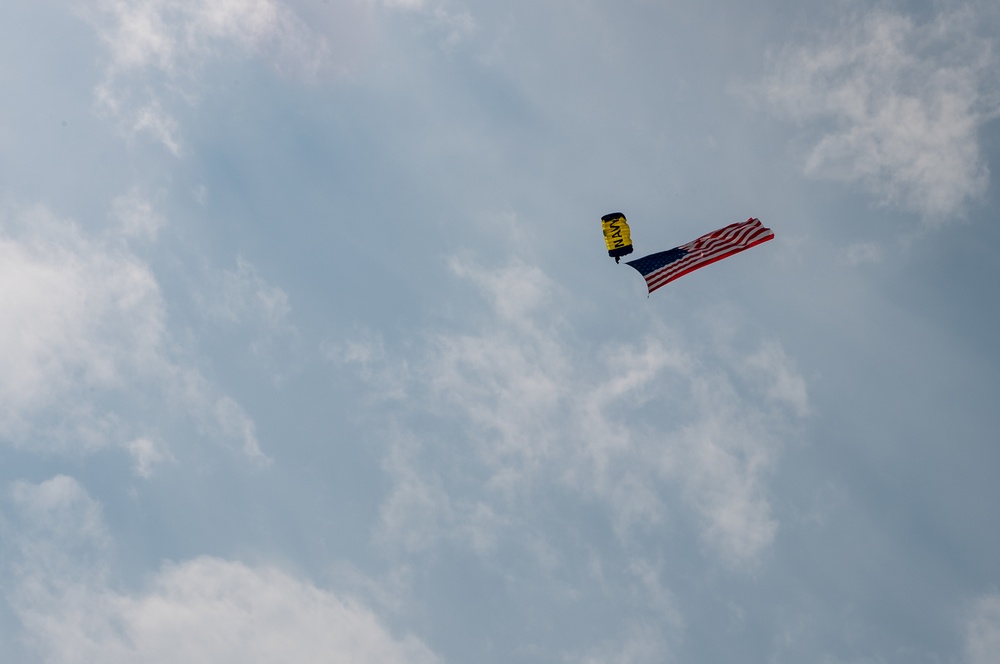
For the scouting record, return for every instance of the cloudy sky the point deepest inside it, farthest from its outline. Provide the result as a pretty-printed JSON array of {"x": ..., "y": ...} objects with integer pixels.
[{"x": 311, "y": 350}]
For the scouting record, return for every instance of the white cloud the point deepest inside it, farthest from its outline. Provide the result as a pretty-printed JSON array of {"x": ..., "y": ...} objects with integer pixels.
[
  {"x": 172, "y": 36},
  {"x": 158, "y": 49},
  {"x": 213, "y": 610},
  {"x": 418, "y": 512},
  {"x": 79, "y": 313},
  {"x": 650, "y": 586},
  {"x": 982, "y": 633},
  {"x": 404, "y": 4},
  {"x": 57, "y": 518},
  {"x": 242, "y": 298},
  {"x": 160, "y": 53},
  {"x": 723, "y": 461},
  {"x": 776, "y": 372},
  {"x": 531, "y": 413},
  {"x": 897, "y": 105},
  {"x": 203, "y": 610},
  {"x": 56, "y": 544},
  {"x": 145, "y": 454},
  {"x": 218, "y": 415},
  {"x": 458, "y": 27},
  {"x": 85, "y": 349},
  {"x": 421, "y": 511},
  {"x": 149, "y": 118},
  {"x": 367, "y": 355},
  {"x": 137, "y": 216},
  {"x": 242, "y": 294},
  {"x": 864, "y": 252}
]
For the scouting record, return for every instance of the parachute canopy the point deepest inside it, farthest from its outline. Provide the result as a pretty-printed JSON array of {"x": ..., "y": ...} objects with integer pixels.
[{"x": 616, "y": 235}]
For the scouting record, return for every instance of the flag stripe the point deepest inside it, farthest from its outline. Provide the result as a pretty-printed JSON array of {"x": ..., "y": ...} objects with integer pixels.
[{"x": 704, "y": 251}]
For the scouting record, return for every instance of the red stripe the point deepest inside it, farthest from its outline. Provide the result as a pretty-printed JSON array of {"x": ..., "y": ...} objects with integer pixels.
[{"x": 730, "y": 235}]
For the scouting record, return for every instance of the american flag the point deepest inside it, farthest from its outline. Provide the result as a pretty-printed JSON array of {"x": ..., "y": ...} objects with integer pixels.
[{"x": 663, "y": 267}]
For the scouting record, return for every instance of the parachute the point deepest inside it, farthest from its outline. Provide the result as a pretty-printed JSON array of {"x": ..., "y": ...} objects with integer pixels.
[{"x": 616, "y": 235}]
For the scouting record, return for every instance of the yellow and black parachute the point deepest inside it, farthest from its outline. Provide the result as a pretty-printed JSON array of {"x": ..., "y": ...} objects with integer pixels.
[{"x": 616, "y": 235}]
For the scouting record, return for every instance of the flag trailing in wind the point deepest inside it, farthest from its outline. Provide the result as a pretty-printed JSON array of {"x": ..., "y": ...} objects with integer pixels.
[{"x": 661, "y": 268}]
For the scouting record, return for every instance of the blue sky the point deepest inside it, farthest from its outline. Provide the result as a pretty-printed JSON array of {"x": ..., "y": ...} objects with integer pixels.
[{"x": 311, "y": 349}]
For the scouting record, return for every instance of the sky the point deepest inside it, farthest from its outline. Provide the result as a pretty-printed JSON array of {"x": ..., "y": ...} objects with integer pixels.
[{"x": 311, "y": 349}]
